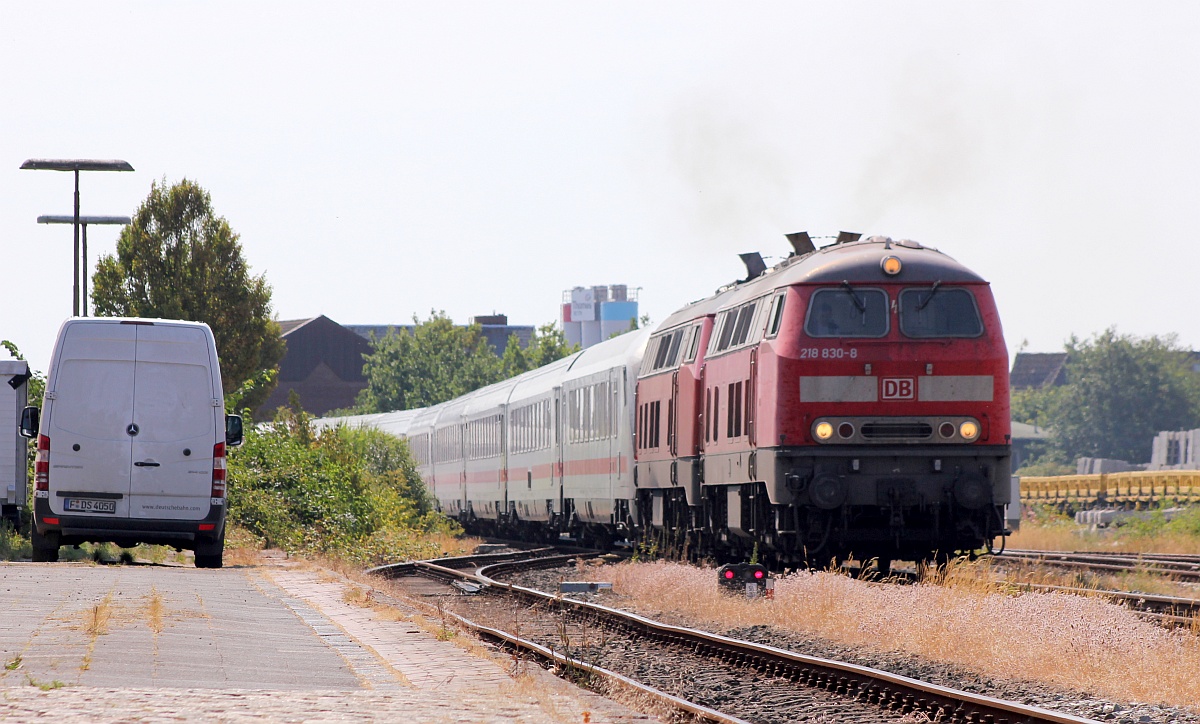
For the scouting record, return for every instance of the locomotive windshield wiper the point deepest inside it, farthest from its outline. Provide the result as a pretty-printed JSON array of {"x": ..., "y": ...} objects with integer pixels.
[
  {"x": 925, "y": 302},
  {"x": 862, "y": 307}
]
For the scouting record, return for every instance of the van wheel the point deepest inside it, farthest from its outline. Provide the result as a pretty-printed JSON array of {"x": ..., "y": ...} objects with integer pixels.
[
  {"x": 209, "y": 561},
  {"x": 210, "y": 555},
  {"x": 45, "y": 547}
]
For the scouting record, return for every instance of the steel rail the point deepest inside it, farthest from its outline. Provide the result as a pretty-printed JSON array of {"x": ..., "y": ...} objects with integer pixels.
[
  {"x": 1168, "y": 610},
  {"x": 407, "y": 568},
  {"x": 553, "y": 657},
  {"x": 1183, "y": 561},
  {"x": 1181, "y": 571},
  {"x": 1172, "y": 557},
  {"x": 542, "y": 653},
  {"x": 846, "y": 678}
]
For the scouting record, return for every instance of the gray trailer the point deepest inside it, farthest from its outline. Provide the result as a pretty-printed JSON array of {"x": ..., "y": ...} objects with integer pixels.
[{"x": 14, "y": 470}]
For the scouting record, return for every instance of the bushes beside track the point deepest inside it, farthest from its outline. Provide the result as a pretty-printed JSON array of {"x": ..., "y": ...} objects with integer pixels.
[{"x": 349, "y": 493}]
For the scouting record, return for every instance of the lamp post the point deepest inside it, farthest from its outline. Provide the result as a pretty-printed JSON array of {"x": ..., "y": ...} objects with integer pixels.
[
  {"x": 76, "y": 165},
  {"x": 83, "y": 222}
]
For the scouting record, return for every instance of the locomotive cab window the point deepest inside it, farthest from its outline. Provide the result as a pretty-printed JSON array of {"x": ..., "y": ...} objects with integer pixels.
[
  {"x": 847, "y": 311},
  {"x": 939, "y": 312}
]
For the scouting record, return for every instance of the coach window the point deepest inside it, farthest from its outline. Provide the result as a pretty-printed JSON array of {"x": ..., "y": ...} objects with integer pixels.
[
  {"x": 847, "y": 312},
  {"x": 939, "y": 312}
]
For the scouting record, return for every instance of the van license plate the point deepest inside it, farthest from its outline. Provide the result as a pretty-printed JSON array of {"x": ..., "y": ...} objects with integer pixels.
[{"x": 83, "y": 505}]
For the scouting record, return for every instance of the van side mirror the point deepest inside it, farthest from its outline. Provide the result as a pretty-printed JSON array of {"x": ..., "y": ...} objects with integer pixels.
[
  {"x": 233, "y": 430},
  {"x": 30, "y": 420}
]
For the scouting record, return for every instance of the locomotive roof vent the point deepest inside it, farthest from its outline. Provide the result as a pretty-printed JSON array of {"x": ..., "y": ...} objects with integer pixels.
[
  {"x": 801, "y": 242},
  {"x": 845, "y": 237},
  {"x": 755, "y": 266}
]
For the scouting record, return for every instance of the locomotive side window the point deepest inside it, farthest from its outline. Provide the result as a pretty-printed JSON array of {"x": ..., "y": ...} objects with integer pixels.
[
  {"x": 663, "y": 351},
  {"x": 727, "y": 321},
  {"x": 694, "y": 345},
  {"x": 737, "y": 327},
  {"x": 938, "y": 312},
  {"x": 776, "y": 315},
  {"x": 847, "y": 312}
]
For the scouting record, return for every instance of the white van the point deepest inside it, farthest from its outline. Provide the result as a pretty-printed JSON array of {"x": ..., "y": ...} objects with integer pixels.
[{"x": 132, "y": 437}]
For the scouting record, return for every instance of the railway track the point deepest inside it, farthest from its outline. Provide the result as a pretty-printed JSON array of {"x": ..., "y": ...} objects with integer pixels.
[
  {"x": 1170, "y": 611},
  {"x": 1178, "y": 567},
  {"x": 708, "y": 676}
]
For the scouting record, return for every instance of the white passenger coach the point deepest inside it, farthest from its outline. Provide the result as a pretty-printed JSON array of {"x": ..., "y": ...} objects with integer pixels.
[{"x": 553, "y": 445}]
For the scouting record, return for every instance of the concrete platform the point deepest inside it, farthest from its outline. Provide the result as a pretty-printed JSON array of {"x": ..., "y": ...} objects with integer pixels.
[{"x": 276, "y": 642}]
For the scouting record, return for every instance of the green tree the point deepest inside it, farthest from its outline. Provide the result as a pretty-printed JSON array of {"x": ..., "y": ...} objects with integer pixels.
[
  {"x": 1121, "y": 391},
  {"x": 548, "y": 344},
  {"x": 437, "y": 361},
  {"x": 37, "y": 380},
  {"x": 179, "y": 260}
]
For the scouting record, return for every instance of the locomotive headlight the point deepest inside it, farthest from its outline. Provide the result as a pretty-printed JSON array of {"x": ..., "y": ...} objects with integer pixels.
[
  {"x": 969, "y": 430},
  {"x": 891, "y": 265},
  {"x": 823, "y": 430}
]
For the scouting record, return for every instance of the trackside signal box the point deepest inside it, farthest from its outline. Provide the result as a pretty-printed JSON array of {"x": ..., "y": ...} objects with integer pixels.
[
  {"x": 14, "y": 470},
  {"x": 749, "y": 577}
]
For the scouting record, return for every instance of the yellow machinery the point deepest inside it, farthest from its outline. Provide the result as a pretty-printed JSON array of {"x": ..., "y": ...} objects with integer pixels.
[{"x": 1142, "y": 489}]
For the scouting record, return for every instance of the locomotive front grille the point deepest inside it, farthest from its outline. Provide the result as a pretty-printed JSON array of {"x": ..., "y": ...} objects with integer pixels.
[{"x": 897, "y": 430}]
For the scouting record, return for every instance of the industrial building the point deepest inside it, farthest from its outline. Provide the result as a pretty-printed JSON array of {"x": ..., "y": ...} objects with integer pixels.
[{"x": 593, "y": 314}]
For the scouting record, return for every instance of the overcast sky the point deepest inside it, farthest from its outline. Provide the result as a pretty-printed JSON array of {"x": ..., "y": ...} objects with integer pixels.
[{"x": 382, "y": 160}]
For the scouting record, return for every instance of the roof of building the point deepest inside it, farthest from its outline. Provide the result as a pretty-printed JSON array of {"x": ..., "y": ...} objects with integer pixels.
[
  {"x": 290, "y": 325},
  {"x": 496, "y": 334},
  {"x": 317, "y": 340},
  {"x": 1025, "y": 431},
  {"x": 1038, "y": 369}
]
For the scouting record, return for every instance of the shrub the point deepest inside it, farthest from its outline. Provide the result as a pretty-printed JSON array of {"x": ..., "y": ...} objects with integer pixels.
[{"x": 343, "y": 492}]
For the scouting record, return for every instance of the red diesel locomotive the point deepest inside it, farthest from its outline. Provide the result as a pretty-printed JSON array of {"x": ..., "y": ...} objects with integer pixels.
[{"x": 851, "y": 401}]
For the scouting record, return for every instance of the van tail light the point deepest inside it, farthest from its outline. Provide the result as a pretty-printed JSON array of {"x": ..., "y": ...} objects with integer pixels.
[
  {"x": 41, "y": 465},
  {"x": 218, "y": 476}
]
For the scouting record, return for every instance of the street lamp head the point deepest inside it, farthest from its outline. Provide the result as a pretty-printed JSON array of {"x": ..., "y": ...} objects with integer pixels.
[
  {"x": 118, "y": 220},
  {"x": 77, "y": 164}
]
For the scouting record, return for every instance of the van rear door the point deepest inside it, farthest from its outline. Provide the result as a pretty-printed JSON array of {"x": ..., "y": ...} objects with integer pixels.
[
  {"x": 90, "y": 407},
  {"x": 175, "y": 409}
]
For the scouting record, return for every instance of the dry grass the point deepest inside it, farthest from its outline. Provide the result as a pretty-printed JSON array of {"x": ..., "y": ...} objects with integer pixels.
[
  {"x": 96, "y": 618},
  {"x": 356, "y": 596},
  {"x": 95, "y": 624},
  {"x": 1073, "y": 641},
  {"x": 154, "y": 611},
  {"x": 1077, "y": 538}
]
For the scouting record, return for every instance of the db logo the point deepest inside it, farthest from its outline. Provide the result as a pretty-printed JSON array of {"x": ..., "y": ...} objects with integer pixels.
[{"x": 897, "y": 388}]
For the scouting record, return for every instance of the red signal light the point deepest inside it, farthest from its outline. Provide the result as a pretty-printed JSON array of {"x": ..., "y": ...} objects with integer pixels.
[
  {"x": 729, "y": 574},
  {"x": 758, "y": 573}
]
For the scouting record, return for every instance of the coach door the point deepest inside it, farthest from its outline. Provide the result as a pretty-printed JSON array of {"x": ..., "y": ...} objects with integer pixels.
[
  {"x": 556, "y": 450},
  {"x": 502, "y": 474}
]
